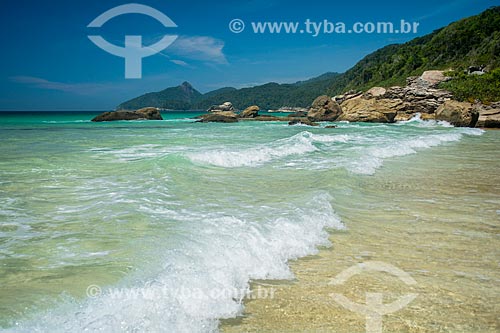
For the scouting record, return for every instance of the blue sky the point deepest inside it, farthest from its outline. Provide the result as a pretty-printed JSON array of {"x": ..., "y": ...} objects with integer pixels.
[{"x": 48, "y": 62}]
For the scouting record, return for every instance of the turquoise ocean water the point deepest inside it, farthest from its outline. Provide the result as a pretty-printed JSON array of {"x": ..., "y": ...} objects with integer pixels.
[{"x": 160, "y": 225}]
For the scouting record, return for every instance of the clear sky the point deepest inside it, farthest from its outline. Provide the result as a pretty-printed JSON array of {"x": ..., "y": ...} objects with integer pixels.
[{"x": 48, "y": 62}]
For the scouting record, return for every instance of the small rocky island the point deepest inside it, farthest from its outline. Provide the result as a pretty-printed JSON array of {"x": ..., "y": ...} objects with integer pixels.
[{"x": 141, "y": 114}]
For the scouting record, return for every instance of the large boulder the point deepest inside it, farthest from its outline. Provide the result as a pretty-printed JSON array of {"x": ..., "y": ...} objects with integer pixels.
[
  {"x": 460, "y": 114},
  {"x": 219, "y": 117},
  {"x": 370, "y": 110},
  {"x": 429, "y": 79},
  {"x": 267, "y": 118},
  {"x": 302, "y": 121},
  {"x": 250, "y": 112},
  {"x": 231, "y": 114},
  {"x": 324, "y": 109},
  {"x": 226, "y": 106},
  {"x": 489, "y": 115},
  {"x": 404, "y": 116},
  {"x": 375, "y": 92},
  {"x": 141, "y": 114},
  {"x": 298, "y": 114},
  {"x": 419, "y": 99},
  {"x": 348, "y": 95}
]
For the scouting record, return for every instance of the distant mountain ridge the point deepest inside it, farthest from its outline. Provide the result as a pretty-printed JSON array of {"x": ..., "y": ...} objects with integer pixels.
[
  {"x": 267, "y": 96},
  {"x": 177, "y": 98},
  {"x": 471, "y": 41}
]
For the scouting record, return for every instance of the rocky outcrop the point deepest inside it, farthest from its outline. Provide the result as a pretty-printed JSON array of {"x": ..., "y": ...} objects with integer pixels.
[
  {"x": 385, "y": 105},
  {"x": 302, "y": 121},
  {"x": 298, "y": 114},
  {"x": 375, "y": 92},
  {"x": 370, "y": 110},
  {"x": 231, "y": 114},
  {"x": 419, "y": 96},
  {"x": 489, "y": 115},
  {"x": 348, "y": 95},
  {"x": 141, "y": 114},
  {"x": 219, "y": 117},
  {"x": 286, "y": 109},
  {"x": 250, "y": 112},
  {"x": 267, "y": 118},
  {"x": 459, "y": 114},
  {"x": 226, "y": 106},
  {"x": 324, "y": 109},
  {"x": 429, "y": 79}
]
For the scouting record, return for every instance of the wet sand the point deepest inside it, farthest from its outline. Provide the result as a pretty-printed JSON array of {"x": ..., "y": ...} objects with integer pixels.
[{"x": 434, "y": 215}]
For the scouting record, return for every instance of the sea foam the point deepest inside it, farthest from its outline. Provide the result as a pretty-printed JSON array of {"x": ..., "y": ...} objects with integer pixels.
[
  {"x": 298, "y": 144},
  {"x": 205, "y": 277}
]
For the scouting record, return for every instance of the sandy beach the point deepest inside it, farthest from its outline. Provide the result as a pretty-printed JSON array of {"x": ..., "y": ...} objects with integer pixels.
[{"x": 436, "y": 217}]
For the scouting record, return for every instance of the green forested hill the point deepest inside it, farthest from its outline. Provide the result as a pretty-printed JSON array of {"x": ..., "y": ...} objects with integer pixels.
[
  {"x": 468, "y": 42},
  {"x": 176, "y": 98},
  {"x": 267, "y": 96},
  {"x": 272, "y": 95}
]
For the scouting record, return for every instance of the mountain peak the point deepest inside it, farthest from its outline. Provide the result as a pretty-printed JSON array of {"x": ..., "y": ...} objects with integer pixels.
[{"x": 177, "y": 98}]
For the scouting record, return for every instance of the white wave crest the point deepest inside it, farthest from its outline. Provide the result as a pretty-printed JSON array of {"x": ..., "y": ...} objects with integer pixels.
[
  {"x": 205, "y": 278},
  {"x": 298, "y": 144}
]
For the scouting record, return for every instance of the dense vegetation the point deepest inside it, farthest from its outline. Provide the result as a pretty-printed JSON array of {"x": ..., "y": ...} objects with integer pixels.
[
  {"x": 485, "y": 88},
  {"x": 267, "y": 96},
  {"x": 272, "y": 95},
  {"x": 469, "y": 42}
]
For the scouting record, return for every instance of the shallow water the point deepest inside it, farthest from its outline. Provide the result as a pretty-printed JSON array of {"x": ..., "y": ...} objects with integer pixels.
[
  {"x": 168, "y": 221},
  {"x": 434, "y": 215}
]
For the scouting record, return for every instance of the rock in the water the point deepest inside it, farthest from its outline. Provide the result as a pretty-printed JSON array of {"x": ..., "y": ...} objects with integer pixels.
[
  {"x": 141, "y": 114},
  {"x": 302, "y": 121},
  {"x": 403, "y": 116},
  {"x": 217, "y": 118},
  {"x": 286, "y": 109},
  {"x": 331, "y": 126},
  {"x": 460, "y": 114},
  {"x": 298, "y": 114},
  {"x": 370, "y": 110},
  {"x": 489, "y": 115},
  {"x": 226, "y": 106},
  {"x": 231, "y": 114},
  {"x": 324, "y": 109},
  {"x": 267, "y": 118},
  {"x": 250, "y": 112}
]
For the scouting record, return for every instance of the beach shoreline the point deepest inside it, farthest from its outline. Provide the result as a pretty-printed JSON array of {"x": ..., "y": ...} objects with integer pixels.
[{"x": 452, "y": 256}]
